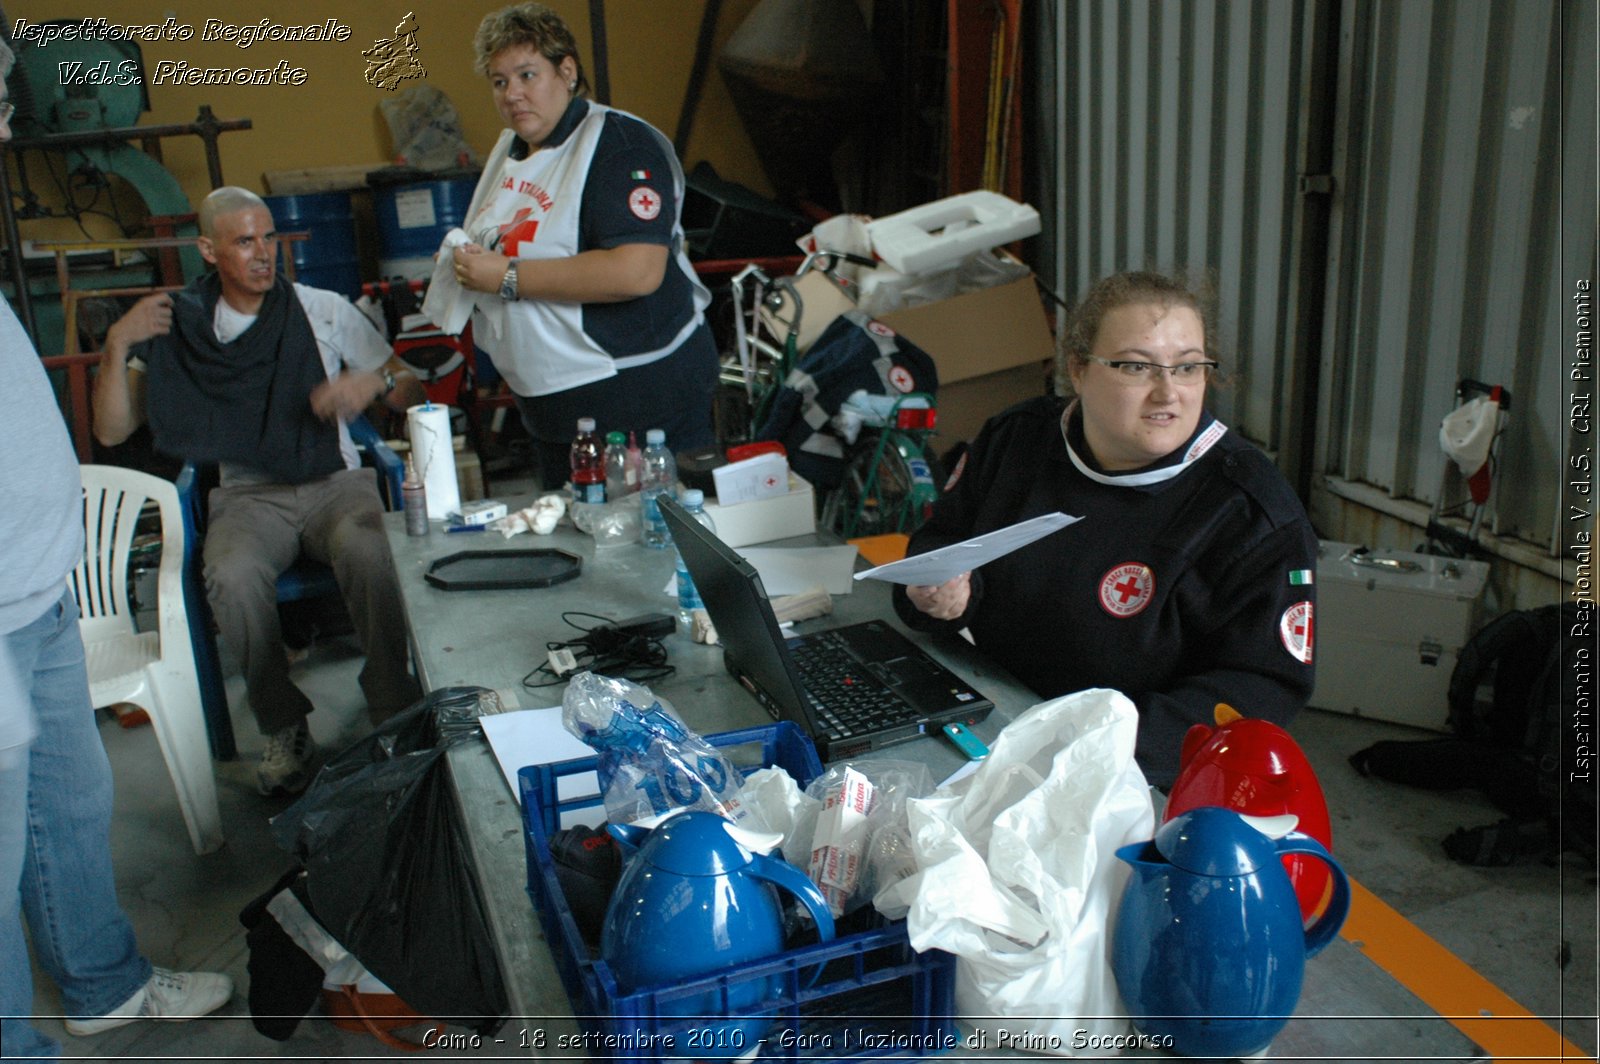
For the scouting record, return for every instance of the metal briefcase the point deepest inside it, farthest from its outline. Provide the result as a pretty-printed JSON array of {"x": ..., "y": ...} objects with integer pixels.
[{"x": 1389, "y": 626}]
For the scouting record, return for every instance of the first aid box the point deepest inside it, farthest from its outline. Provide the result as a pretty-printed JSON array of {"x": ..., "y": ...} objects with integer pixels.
[{"x": 1389, "y": 625}]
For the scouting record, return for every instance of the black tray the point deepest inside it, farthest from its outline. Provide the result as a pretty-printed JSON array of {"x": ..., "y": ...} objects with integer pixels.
[{"x": 488, "y": 570}]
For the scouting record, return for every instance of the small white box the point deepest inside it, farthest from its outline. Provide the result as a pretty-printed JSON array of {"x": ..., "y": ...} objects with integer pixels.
[
  {"x": 760, "y": 477},
  {"x": 481, "y": 512},
  {"x": 763, "y": 520},
  {"x": 1389, "y": 625}
]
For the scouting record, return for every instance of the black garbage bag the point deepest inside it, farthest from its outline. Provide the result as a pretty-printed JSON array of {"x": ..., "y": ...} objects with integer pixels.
[{"x": 388, "y": 871}]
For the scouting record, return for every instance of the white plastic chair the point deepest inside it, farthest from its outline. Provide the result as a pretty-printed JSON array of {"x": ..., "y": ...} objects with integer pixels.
[{"x": 152, "y": 670}]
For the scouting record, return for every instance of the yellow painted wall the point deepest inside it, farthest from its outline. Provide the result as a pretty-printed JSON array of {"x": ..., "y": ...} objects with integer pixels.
[{"x": 333, "y": 118}]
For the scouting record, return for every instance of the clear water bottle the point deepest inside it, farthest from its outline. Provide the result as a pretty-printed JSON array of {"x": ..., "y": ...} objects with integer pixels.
[
  {"x": 635, "y": 462},
  {"x": 588, "y": 467},
  {"x": 617, "y": 467},
  {"x": 694, "y": 501},
  {"x": 658, "y": 472}
]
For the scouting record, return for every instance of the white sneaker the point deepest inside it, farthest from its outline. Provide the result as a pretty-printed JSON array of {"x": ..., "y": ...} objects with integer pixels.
[
  {"x": 286, "y": 762},
  {"x": 169, "y": 995}
]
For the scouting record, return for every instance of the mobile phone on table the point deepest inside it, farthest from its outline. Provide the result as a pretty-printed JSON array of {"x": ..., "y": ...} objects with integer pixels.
[{"x": 966, "y": 742}]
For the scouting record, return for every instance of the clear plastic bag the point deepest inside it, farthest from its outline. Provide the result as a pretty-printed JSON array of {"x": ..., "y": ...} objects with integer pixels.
[
  {"x": 851, "y": 853},
  {"x": 612, "y": 524},
  {"x": 650, "y": 762}
]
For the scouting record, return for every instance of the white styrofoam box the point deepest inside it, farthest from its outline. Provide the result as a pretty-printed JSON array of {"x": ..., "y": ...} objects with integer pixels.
[
  {"x": 759, "y": 477},
  {"x": 1389, "y": 625},
  {"x": 934, "y": 235},
  {"x": 793, "y": 513}
]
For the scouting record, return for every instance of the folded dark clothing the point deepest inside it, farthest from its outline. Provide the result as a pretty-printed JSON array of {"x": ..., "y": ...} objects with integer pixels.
[{"x": 245, "y": 402}]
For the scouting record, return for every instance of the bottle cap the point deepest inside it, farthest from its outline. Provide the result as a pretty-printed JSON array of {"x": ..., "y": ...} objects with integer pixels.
[
  {"x": 586, "y": 424},
  {"x": 655, "y": 437},
  {"x": 693, "y": 498},
  {"x": 615, "y": 437}
]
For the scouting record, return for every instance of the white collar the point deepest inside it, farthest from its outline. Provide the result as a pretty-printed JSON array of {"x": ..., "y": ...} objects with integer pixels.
[{"x": 1201, "y": 443}]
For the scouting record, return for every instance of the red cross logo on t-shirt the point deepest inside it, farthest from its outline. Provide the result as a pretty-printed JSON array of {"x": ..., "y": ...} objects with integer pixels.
[
  {"x": 1127, "y": 589},
  {"x": 520, "y": 230}
]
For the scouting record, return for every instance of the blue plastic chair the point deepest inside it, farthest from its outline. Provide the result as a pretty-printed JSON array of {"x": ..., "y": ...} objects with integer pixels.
[{"x": 305, "y": 579}]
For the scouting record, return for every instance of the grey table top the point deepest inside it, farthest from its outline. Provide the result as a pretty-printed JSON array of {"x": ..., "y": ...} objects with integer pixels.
[{"x": 1350, "y": 1008}]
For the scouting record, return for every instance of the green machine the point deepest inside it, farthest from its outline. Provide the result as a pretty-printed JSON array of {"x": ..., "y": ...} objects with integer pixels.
[{"x": 67, "y": 92}]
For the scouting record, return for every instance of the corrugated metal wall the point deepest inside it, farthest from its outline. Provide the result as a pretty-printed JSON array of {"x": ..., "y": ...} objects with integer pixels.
[
  {"x": 1459, "y": 135},
  {"x": 1465, "y": 163},
  {"x": 1178, "y": 129}
]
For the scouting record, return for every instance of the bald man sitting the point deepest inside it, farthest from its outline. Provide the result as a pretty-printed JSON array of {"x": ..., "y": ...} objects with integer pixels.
[{"x": 245, "y": 370}]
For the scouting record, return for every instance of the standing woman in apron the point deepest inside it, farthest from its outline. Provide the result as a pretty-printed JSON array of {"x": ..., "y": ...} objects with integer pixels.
[{"x": 575, "y": 226}]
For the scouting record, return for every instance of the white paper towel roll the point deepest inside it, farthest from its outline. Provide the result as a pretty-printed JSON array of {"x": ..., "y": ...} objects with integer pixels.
[{"x": 429, "y": 428}]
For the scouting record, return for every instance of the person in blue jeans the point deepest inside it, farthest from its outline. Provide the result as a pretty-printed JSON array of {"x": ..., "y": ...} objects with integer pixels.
[{"x": 55, "y": 779}]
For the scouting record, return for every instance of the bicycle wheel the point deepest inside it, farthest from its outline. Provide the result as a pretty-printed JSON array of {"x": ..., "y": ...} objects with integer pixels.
[{"x": 885, "y": 490}]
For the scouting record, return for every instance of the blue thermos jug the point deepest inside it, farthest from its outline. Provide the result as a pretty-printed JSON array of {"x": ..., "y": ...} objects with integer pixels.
[
  {"x": 697, "y": 897},
  {"x": 1208, "y": 947}
]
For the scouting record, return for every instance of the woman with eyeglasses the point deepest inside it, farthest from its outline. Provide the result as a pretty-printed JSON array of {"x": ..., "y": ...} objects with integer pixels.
[{"x": 1189, "y": 580}]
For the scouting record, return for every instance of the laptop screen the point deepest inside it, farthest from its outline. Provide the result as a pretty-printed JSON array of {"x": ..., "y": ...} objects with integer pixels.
[{"x": 734, "y": 597}]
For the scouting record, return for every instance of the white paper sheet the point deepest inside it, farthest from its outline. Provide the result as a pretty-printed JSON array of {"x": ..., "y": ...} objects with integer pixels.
[
  {"x": 537, "y": 737},
  {"x": 947, "y": 563}
]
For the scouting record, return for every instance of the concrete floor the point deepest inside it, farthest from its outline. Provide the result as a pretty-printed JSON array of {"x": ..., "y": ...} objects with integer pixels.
[{"x": 1530, "y": 928}]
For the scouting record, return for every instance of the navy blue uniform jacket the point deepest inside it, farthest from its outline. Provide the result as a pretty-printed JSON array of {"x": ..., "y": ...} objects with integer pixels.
[{"x": 1181, "y": 594}]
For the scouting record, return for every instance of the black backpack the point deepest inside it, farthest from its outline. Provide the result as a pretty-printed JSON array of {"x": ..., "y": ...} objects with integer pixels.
[{"x": 1517, "y": 745}]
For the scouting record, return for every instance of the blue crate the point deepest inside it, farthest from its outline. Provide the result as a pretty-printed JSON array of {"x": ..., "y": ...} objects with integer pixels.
[{"x": 861, "y": 995}]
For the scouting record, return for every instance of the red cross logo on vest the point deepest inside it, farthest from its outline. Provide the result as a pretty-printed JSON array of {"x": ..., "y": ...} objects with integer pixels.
[
  {"x": 1294, "y": 628},
  {"x": 520, "y": 230},
  {"x": 644, "y": 203},
  {"x": 1127, "y": 589}
]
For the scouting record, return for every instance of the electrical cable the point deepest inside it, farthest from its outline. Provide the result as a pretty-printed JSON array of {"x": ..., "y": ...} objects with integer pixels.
[{"x": 602, "y": 649}]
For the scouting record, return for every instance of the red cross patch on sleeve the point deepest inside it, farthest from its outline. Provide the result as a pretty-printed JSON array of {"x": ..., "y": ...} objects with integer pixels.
[
  {"x": 1294, "y": 629},
  {"x": 644, "y": 203}
]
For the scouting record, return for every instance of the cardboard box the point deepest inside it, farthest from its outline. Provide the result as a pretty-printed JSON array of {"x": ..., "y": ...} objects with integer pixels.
[
  {"x": 793, "y": 513},
  {"x": 998, "y": 339},
  {"x": 1389, "y": 625}
]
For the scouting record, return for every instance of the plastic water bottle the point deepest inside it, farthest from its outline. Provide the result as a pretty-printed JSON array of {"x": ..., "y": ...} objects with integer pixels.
[
  {"x": 617, "y": 467},
  {"x": 588, "y": 468},
  {"x": 635, "y": 463},
  {"x": 658, "y": 472},
  {"x": 694, "y": 501}
]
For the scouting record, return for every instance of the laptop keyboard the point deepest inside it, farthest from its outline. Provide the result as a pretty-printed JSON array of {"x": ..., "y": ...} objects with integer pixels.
[{"x": 847, "y": 698}]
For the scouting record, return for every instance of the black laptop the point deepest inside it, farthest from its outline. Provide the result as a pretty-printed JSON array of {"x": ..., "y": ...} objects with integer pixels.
[{"x": 853, "y": 689}]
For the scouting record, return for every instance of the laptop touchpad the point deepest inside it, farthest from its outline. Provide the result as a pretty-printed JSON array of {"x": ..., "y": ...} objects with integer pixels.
[{"x": 902, "y": 671}]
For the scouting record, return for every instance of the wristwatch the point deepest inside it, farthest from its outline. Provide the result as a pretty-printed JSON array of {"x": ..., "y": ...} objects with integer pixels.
[
  {"x": 388, "y": 383},
  {"x": 508, "y": 284}
]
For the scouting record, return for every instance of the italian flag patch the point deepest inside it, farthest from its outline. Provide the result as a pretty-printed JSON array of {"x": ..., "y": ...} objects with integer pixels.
[
  {"x": 1301, "y": 577},
  {"x": 640, "y": 175}
]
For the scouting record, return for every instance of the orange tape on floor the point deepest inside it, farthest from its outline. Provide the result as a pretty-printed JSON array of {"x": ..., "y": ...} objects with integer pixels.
[{"x": 1449, "y": 986}]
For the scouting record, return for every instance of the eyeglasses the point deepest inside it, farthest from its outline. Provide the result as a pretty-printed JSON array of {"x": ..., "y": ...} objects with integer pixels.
[
  {"x": 7, "y": 109},
  {"x": 1133, "y": 371}
]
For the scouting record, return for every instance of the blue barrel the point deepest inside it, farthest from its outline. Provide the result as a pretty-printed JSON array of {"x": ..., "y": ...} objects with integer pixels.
[
  {"x": 328, "y": 259},
  {"x": 413, "y": 219}
]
